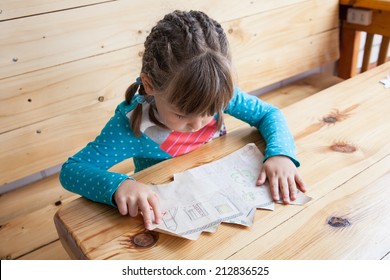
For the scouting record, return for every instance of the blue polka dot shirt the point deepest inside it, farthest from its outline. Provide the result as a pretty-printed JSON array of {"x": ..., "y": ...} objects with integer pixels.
[{"x": 86, "y": 173}]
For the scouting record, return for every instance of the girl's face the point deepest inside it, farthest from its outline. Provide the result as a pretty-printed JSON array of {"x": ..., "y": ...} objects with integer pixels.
[{"x": 175, "y": 120}]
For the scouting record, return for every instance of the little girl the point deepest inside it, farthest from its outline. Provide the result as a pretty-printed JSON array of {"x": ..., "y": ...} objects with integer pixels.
[{"x": 173, "y": 108}]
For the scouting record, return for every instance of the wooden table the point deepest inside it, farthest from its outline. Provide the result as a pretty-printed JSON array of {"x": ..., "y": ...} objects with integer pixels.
[{"x": 342, "y": 136}]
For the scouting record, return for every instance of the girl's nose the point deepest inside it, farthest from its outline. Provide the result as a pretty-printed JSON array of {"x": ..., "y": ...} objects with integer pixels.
[{"x": 196, "y": 124}]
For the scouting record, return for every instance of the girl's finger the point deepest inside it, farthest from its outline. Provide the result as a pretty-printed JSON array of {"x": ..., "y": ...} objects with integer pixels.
[
  {"x": 274, "y": 188},
  {"x": 300, "y": 183},
  {"x": 292, "y": 188},
  {"x": 262, "y": 177},
  {"x": 133, "y": 207},
  {"x": 144, "y": 206},
  {"x": 283, "y": 185},
  {"x": 154, "y": 202},
  {"x": 122, "y": 206}
]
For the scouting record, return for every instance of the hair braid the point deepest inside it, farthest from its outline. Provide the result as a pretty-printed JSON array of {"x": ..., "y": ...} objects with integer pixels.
[{"x": 187, "y": 58}]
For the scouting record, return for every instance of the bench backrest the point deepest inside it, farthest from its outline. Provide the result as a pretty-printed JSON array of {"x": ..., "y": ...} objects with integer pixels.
[{"x": 64, "y": 65}]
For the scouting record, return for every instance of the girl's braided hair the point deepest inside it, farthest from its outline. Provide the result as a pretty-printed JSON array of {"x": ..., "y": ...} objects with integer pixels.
[{"x": 187, "y": 58}]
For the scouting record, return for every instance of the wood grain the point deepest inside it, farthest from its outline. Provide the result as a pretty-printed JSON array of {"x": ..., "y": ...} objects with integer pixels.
[
  {"x": 41, "y": 110},
  {"x": 308, "y": 234},
  {"x": 30, "y": 232},
  {"x": 64, "y": 66},
  {"x": 72, "y": 34},
  {"x": 291, "y": 93},
  {"x": 53, "y": 251},
  {"x": 11, "y": 9},
  {"x": 44, "y": 94},
  {"x": 354, "y": 105}
]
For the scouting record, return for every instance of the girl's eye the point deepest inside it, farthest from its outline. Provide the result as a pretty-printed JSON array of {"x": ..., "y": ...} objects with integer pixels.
[{"x": 180, "y": 117}]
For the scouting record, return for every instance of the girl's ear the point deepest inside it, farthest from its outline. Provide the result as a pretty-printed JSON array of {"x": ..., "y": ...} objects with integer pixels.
[{"x": 147, "y": 83}]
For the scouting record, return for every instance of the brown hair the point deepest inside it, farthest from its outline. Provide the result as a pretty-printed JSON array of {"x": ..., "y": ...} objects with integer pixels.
[{"x": 187, "y": 58}]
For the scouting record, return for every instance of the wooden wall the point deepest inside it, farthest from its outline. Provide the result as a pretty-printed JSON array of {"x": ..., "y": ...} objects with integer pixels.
[{"x": 64, "y": 65}]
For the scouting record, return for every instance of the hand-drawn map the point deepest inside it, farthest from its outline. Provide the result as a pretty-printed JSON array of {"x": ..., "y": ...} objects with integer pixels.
[{"x": 223, "y": 191}]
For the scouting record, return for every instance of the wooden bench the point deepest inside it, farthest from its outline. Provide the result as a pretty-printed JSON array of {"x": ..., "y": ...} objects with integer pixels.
[{"x": 65, "y": 65}]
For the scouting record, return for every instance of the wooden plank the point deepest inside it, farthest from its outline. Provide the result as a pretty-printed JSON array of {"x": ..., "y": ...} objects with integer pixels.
[
  {"x": 309, "y": 235},
  {"x": 33, "y": 197},
  {"x": 302, "y": 54},
  {"x": 299, "y": 90},
  {"x": 52, "y": 251},
  {"x": 321, "y": 130},
  {"x": 30, "y": 232},
  {"x": 11, "y": 9},
  {"x": 56, "y": 142},
  {"x": 38, "y": 195},
  {"x": 33, "y": 43},
  {"x": 47, "y": 93},
  {"x": 260, "y": 54}
]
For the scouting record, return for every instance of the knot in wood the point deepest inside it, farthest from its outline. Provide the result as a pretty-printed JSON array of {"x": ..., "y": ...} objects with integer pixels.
[
  {"x": 145, "y": 239},
  {"x": 329, "y": 119},
  {"x": 343, "y": 148},
  {"x": 338, "y": 222}
]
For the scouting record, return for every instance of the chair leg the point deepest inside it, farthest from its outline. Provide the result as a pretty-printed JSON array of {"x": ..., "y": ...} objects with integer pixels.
[
  {"x": 367, "y": 52},
  {"x": 382, "y": 57}
]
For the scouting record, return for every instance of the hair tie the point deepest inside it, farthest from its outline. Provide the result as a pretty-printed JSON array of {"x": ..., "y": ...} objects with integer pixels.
[
  {"x": 140, "y": 99},
  {"x": 138, "y": 81}
]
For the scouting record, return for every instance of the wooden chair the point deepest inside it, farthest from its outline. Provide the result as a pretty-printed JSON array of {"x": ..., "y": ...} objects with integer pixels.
[{"x": 351, "y": 34}]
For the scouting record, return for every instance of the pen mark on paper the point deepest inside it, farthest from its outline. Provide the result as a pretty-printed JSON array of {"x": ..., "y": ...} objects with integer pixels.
[
  {"x": 169, "y": 219},
  {"x": 195, "y": 211},
  {"x": 243, "y": 177}
]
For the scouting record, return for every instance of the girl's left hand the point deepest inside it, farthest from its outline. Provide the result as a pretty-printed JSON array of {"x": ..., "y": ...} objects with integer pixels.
[{"x": 283, "y": 178}]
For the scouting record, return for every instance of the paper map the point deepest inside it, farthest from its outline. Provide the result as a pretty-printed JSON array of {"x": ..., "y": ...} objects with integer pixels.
[{"x": 200, "y": 199}]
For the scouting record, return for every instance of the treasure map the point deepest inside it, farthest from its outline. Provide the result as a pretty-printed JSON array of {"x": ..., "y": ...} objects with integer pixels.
[{"x": 223, "y": 191}]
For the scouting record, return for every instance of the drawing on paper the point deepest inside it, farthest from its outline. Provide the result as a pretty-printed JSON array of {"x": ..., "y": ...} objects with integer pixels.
[
  {"x": 243, "y": 177},
  {"x": 169, "y": 219},
  {"x": 224, "y": 208},
  {"x": 223, "y": 191},
  {"x": 195, "y": 211}
]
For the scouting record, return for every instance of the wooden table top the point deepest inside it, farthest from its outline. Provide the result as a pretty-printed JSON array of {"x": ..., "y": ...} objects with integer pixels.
[{"x": 342, "y": 136}]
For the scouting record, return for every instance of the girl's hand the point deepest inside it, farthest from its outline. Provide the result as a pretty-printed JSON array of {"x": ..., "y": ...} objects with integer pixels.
[
  {"x": 283, "y": 178},
  {"x": 132, "y": 196}
]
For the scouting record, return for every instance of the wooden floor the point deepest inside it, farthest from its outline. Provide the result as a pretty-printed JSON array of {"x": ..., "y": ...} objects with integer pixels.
[{"x": 27, "y": 230}]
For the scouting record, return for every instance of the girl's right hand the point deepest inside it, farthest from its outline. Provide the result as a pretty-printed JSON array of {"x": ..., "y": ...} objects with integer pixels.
[{"x": 132, "y": 196}]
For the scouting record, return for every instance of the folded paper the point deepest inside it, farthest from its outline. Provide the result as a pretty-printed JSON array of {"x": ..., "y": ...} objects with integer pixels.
[{"x": 223, "y": 191}]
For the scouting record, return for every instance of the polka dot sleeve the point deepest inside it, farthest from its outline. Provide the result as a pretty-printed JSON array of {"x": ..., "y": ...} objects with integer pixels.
[
  {"x": 86, "y": 172},
  {"x": 268, "y": 119}
]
